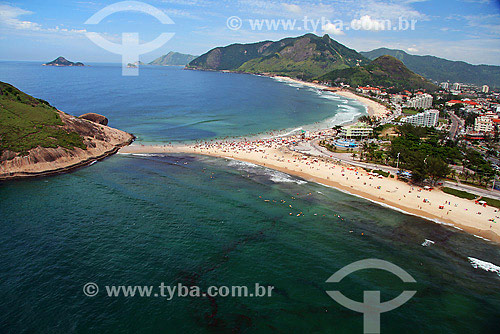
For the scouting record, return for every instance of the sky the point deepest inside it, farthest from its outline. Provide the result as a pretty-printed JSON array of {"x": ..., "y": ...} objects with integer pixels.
[{"x": 467, "y": 30}]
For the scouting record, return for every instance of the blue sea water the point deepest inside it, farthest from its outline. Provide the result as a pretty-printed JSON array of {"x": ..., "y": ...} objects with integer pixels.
[
  {"x": 148, "y": 219},
  {"x": 166, "y": 104}
]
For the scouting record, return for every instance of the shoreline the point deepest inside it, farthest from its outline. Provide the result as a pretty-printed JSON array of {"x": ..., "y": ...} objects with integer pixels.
[
  {"x": 481, "y": 222},
  {"x": 101, "y": 141},
  {"x": 391, "y": 193},
  {"x": 64, "y": 169},
  {"x": 373, "y": 108}
]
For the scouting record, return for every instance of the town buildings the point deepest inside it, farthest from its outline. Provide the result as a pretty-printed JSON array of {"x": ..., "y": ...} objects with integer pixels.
[
  {"x": 427, "y": 118},
  {"x": 420, "y": 101}
]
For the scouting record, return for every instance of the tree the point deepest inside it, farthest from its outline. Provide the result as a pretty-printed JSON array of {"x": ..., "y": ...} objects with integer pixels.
[{"x": 437, "y": 168}]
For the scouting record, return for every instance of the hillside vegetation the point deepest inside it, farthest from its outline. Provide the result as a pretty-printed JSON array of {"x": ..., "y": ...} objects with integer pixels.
[
  {"x": 385, "y": 71},
  {"x": 440, "y": 69},
  {"x": 173, "y": 58},
  {"x": 27, "y": 122},
  {"x": 305, "y": 57}
]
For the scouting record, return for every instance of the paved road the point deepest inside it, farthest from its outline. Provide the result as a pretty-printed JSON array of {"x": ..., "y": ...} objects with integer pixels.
[
  {"x": 455, "y": 125},
  {"x": 313, "y": 148}
]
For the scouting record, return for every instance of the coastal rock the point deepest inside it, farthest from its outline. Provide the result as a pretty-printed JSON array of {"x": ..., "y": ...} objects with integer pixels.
[
  {"x": 37, "y": 139},
  {"x": 96, "y": 118},
  {"x": 61, "y": 61}
]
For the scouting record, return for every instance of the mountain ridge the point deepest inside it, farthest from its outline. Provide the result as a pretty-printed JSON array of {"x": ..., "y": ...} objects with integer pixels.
[
  {"x": 385, "y": 71},
  {"x": 173, "y": 59},
  {"x": 441, "y": 70},
  {"x": 306, "y": 56}
]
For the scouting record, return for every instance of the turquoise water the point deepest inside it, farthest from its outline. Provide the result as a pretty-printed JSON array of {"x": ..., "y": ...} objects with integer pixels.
[
  {"x": 148, "y": 219},
  {"x": 166, "y": 104},
  {"x": 143, "y": 220}
]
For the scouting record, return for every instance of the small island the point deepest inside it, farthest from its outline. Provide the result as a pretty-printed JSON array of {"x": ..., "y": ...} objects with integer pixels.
[
  {"x": 61, "y": 61},
  {"x": 36, "y": 139}
]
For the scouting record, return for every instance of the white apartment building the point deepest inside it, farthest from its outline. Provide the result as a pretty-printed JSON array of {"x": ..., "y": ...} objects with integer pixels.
[
  {"x": 427, "y": 118},
  {"x": 445, "y": 85},
  {"x": 486, "y": 89},
  {"x": 457, "y": 86},
  {"x": 397, "y": 98},
  {"x": 483, "y": 124},
  {"x": 423, "y": 101}
]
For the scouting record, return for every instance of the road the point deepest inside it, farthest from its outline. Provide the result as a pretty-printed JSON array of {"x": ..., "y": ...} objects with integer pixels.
[
  {"x": 456, "y": 122},
  {"x": 313, "y": 148}
]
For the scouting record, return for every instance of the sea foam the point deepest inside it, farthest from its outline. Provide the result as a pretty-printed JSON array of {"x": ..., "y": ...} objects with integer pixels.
[
  {"x": 476, "y": 263},
  {"x": 274, "y": 175}
]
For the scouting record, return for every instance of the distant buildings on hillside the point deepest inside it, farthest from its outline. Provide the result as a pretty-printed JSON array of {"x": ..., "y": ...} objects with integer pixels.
[{"x": 460, "y": 88}]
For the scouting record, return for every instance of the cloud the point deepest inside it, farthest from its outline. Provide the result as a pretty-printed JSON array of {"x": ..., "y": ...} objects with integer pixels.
[
  {"x": 389, "y": 10},
  {"x": 9, "y": 16},
  {"x": 367, "y": 23},
  {"x": 332, "y": 29},
  {"x": 292, "y": 8},
  {"x": 410, "y": 49}
]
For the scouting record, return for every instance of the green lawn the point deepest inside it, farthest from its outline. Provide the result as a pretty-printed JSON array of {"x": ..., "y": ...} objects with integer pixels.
[
  {"x": 407, "y": 111},
  {"x": 463, "y": 194}
]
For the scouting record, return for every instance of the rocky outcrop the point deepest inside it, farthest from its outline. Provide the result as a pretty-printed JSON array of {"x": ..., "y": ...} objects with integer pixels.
[
  {"x": 100, "y": 141},
  {"x": 96, "y": 118}
]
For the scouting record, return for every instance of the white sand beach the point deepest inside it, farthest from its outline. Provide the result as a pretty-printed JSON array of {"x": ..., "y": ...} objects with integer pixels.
[{"x": 278, "y": 154}]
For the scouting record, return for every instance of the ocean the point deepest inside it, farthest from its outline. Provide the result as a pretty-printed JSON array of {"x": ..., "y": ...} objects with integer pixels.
[{"x": 147, "y": 219}]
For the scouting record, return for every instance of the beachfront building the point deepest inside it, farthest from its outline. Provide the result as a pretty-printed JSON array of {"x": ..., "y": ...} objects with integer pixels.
[
  {"x": 368, "y": 90},
  {"x": 427, "y": 118},
  {"x": 421, "y": 101},
  {"x": 360, "y": 130}
]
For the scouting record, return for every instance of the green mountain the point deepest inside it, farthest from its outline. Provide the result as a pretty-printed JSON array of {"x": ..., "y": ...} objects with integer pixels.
[
  {"x": 306, "y": 57},
  {"x": 173, "y": 58},
  {"x": 27, "y": 122},
  {"x": 61, "y": 61},
  {"x": 440, "y": 69},
  {"x": 385, "y": 71}
]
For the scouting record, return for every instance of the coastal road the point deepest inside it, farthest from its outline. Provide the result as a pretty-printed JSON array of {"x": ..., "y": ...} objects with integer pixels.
[
  {"x": 313, "y": 148},
  {"x": 316, "y": 149}
]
